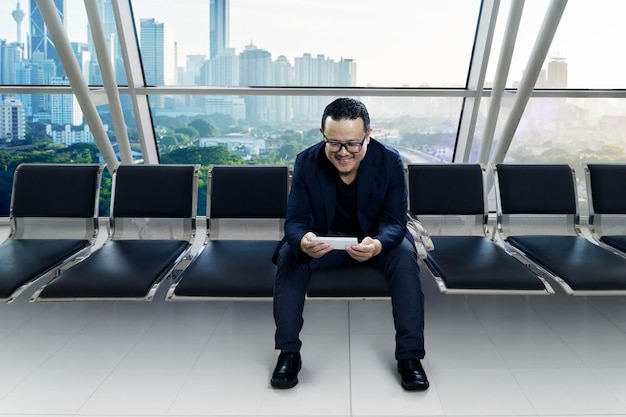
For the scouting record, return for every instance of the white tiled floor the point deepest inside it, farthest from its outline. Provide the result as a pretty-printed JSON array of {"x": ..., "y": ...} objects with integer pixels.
[{"x": 486, "y": 355}]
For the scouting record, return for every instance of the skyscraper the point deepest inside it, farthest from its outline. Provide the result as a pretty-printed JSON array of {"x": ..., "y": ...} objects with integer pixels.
[
  {"x": 40, "y": 39},
  {"x": 12, "y": 124},
  {"x": 152, "y": 51},
  {"x": 218, "y": 27},
  {"x": 255, "y": 70},
  {"x": 557, "y": 72}
]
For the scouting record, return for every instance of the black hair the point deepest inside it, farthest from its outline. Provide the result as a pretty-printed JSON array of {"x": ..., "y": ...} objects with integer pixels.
[{"x": 346, "y": 109}]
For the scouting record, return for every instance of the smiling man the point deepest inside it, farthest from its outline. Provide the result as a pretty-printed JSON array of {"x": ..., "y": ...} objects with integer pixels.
[{"x": 349, "y": 184}]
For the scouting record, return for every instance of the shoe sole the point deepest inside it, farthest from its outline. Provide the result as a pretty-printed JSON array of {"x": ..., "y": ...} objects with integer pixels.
[
  {"x": 414, "y": 387},
  {"x": 284, "y": 385}
]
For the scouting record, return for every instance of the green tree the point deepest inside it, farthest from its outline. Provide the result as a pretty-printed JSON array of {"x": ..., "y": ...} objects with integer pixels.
[
  {"x": 104, "y": 206},
  {"x": 189, "y": 131},
  {"x": 6, "y": 186},
  {"x": 223, "y": 122},
  {"x": 202, "y": 155},
  {"x": 287, "y": 153},
  {"x": 205, "y": 128}
]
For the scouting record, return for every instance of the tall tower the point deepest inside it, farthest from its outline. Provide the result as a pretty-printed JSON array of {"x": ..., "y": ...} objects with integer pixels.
[
  {"x": 557, "y": 72},
  {"x": 255, "y": 70},
  {"x": 40, "y": 39},
  {"x": 18, "y": 16},
  {"x": 152, "y": 50},
  {"x": 218, "y": 27}
]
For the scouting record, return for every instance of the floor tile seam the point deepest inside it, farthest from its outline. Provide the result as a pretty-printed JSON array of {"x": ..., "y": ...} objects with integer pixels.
[
  {"x": 561, "y": 337},
  {"x": 30, "y": 319},
  {"x": 508, "y": 368},
  {"x": 43, "y": 362},
  {"x": 584, "y": 368},
  {"x": 523, "y": 391},
  {"x": 556, "y": 333},
  {"x": 195, "y": 363},
  {"x": 601, "y": 312},
  {"x": 487, "y": 333},
  {"x": 607, "y": 388},
  {"x": 115, "y": 367}
]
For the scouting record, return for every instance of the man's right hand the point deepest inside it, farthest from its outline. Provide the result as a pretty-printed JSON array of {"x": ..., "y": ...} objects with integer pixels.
[{"x": 312, "y": 248}]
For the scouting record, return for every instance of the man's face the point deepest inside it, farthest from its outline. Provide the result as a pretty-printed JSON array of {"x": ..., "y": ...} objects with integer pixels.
[{"x": 347, "y": 158}]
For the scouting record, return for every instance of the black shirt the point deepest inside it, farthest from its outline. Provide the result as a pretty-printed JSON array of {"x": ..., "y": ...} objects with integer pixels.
[{"x": 346, "y": 221}]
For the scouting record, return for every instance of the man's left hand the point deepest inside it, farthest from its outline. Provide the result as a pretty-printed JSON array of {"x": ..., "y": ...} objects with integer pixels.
[{"x": 367, "y": 249}]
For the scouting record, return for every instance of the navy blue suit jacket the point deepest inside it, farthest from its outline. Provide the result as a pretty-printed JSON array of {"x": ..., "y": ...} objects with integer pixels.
[{"x": 381, "y": 197}]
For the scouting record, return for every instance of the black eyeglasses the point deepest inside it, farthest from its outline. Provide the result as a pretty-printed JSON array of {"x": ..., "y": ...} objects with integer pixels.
[{"x": 352, "y": 147}]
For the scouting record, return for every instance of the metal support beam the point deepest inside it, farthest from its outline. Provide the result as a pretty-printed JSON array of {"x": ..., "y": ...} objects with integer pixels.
[
  {"x": 108, "y": 79},
  {"x": 77, "y": 81},
  {"x": 499, "y": 82},
  {"x": 135, "y": 78},
  {"x": 476, "y": 78},
  {"x": 533, "y": 69}
]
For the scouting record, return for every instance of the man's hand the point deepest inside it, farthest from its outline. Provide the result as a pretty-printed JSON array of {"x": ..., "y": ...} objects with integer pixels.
[
  {"x": 367, "y": 249},
  {"x": 312, "y": 248}
]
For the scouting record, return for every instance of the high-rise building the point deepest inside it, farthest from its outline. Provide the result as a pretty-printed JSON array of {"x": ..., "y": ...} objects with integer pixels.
[
  {"x": 255, "y": 66},
  {"x": 40, "y": 40},
  {"x": 557, "y": 73},
  {"x": 224, "y": 69},
  {"x": 218, "y": 27},
  {"x": 64, "y": 109},
  {"x": 346, "y": 73},
  {"x": 12, "y": 122},
  {"x": 282, "y": 74},
  {"x": 152, "y": 51}
]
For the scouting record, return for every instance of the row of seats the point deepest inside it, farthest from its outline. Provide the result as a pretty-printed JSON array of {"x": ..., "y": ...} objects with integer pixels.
[
  {"x": 537, "y": 237},
  {"x": 152, "y": 228}
]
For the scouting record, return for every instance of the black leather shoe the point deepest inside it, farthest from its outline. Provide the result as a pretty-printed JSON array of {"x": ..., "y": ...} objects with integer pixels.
[
  {"x": 413, "y": 375},
  {"x": 286, "y": 372}
]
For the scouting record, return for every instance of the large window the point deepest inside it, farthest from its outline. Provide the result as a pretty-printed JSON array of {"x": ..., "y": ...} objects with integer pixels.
[
  {"x": 307, "y": 43},
  {"x": 246, "y": 81},
  {"x": 584, "y": 53}
]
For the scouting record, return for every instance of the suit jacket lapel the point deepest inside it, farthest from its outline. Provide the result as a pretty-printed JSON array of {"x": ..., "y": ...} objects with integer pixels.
[
  {"x": 327, "y": 193},
  {"x": 366, "y": 184}
]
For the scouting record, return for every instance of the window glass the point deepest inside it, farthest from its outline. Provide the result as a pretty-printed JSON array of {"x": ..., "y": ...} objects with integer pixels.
[
  {"x": 28, "y": 55},
  {"x": 59, "y": 137},
  {"x": 573, "y": 131},
  {"x": 584, "y": 52},
  {"x": 423, "y": 129},
  {"x": 306, "y": 43}
]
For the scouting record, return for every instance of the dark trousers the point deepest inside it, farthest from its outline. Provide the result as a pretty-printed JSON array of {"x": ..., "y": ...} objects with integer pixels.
[{"x": 399, "y": 266}]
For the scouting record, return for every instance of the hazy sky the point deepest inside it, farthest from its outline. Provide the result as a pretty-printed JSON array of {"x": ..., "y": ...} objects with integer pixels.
[{"x": 404, "y": 42}]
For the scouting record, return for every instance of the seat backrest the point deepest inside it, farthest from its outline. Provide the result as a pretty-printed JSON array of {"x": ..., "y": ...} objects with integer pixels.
[
  {"x": 247, "y": 202},
  {"x": 154, "y": 202},
  {"x": 606, "y": 198},
  {"x": 52, "y": 201},
  {"x": 448, "y": 199},
  {"x": 537, "y": 199}
]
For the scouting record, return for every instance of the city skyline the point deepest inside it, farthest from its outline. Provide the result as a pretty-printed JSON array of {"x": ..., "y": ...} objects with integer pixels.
[{"x": 589, "y": 48}]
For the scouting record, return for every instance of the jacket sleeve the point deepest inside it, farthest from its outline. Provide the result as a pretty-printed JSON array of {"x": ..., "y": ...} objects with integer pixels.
[
  {"x": 299, "y": 211},
  {"x": 392, "y": 221}
]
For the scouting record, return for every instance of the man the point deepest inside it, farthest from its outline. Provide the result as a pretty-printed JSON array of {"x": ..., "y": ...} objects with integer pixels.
[{"x": 348, "y": 185}]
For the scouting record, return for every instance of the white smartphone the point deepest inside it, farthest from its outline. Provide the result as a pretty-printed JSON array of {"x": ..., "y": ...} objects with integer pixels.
[{"x": 337, "y": 242}]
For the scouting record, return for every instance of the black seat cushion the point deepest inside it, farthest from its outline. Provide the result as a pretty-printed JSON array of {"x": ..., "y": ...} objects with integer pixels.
[
  {"x": 23, "y": 260},
  {"x": 230, "y": 268},
  {"x": 581, "y": 264},
  {"x": 477, "y": 263},
  {"x": 617, "y": 241},
  {"x": 350, "y": 281},
  {"x": 120, "y": 269}
]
